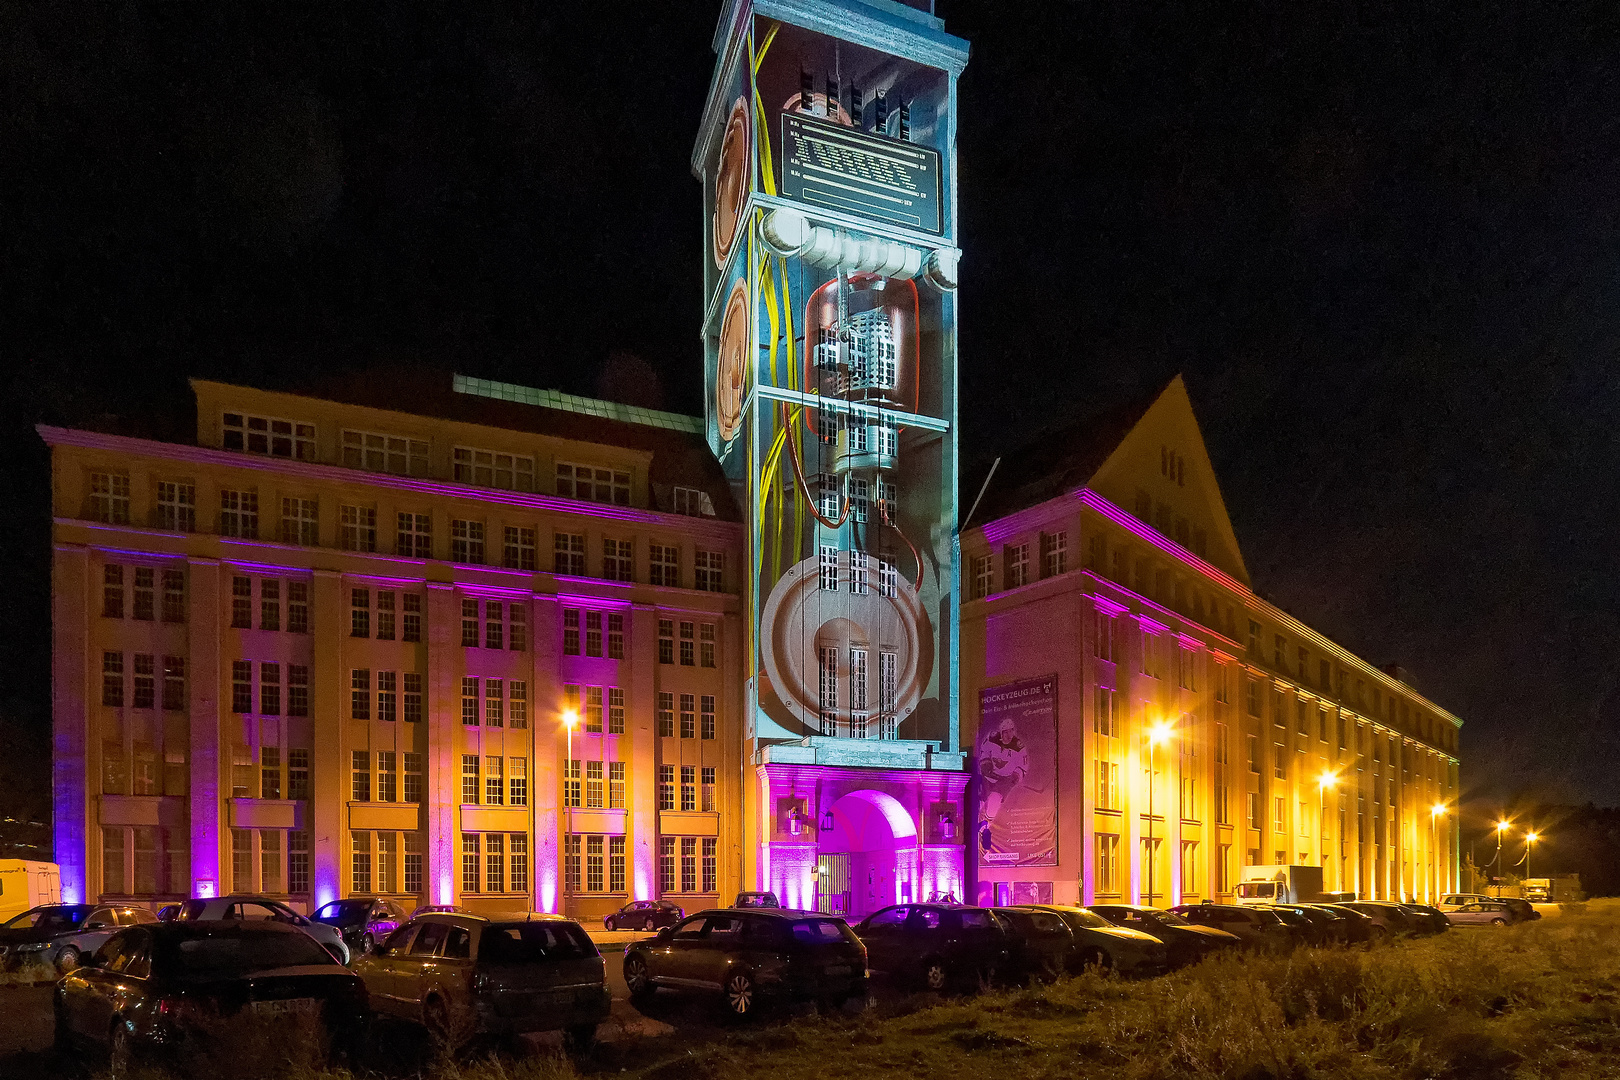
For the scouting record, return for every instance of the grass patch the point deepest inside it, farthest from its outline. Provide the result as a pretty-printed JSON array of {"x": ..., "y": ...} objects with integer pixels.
[{"x": 1539, "y": 1000}]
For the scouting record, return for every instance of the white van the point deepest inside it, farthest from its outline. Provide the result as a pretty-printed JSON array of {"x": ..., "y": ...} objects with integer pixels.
[{"x": 25, "y": 884}]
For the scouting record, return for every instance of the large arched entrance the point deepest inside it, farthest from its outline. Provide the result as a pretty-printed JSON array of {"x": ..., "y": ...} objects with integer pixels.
[{"x": 868, "y": 859}]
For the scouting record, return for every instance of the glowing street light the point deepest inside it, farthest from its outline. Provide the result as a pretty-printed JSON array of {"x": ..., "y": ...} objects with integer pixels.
[
  {"x": 1436, "y": 812},
  {"x": 1326, "y": 782},
  {"x": 1530, "y": 839},
  {"x": 1156, "y": 734}
]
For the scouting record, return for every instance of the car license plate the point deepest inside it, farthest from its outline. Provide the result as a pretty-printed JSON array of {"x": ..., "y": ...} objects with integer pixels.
[
  {"x": 838, "y": 969},
  {"x": 286, "y": 1007}
]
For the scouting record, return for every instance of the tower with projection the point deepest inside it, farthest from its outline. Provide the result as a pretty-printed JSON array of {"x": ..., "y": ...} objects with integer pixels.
[{"x": 827, "y": 154}]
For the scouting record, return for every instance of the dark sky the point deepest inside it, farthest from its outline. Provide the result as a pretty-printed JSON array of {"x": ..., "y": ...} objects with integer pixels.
[{"x": 1378, "y": 238}]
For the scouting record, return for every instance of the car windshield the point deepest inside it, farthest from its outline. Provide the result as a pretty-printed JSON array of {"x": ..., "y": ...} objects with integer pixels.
[
  {"x": 52, "y": 919},
  {"x": 227, "y": 952},
  {"x": 820, "y": 931},
  {"x": 1082, "y": 917},
  {"x": 1166, "y": 918},
  {"x": 533, "y": 943},
  {"x": 344, "y": 910}
]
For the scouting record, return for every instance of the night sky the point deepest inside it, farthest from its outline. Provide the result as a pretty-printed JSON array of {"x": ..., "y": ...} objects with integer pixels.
[{"x": 1379, "y": 239}]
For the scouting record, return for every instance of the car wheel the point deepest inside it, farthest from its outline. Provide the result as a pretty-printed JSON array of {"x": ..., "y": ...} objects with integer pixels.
[
  {"x": 637, "y": 978},
  {"x": 366, "y": 944},
  {"x": 936, "y": 976},
  {"x": 436, "y": 1018},
  {"x": 1051, "y": 969},
  {"x": 580, "y": 1039},
  {"x": 120, "y": 1049},
  {"x": 1499, "y": 921},
  {"x": 67, "y": 959},
  {"x": 1096, "y": 960},
  {"x": 740, "y": 993}
]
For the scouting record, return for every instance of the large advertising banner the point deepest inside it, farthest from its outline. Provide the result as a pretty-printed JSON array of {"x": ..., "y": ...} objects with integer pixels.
[{"x": 1016, "y": 759}]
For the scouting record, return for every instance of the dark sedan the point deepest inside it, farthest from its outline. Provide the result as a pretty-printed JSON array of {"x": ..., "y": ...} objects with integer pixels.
[
  {"x": 1321, "y": 926},
  {"x": 1039, "y": 943},
  {"x": 1256, "y": 927},
  {"x": 362, "y": 920},
  {"x": 746, "y": 953},
  {"x": 1184, "y": 942},
  {"x": 643, "y": 915},
  {"x": 156, "y": 989},
  {"x": 935, "y": 944}
]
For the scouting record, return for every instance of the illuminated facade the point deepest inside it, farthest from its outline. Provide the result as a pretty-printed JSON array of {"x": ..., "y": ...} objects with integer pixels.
[
  {"x": 827, "y": 155},
  {"x": 470, "y": 645},
  {"x": 1197, "y": 728}
]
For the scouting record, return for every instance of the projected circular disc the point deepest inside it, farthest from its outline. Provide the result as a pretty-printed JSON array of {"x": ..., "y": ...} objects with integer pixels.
[
  {"x": 731, "y": 182},
  {"x": 731, "y": 365}
]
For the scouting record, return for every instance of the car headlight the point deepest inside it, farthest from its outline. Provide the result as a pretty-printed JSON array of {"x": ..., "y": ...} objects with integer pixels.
[{"x": 36, "y": 946}]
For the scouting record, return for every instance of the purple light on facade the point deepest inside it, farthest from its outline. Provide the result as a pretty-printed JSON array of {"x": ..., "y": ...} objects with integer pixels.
[
  {"x": 204, "y": 887},
  {"x": 793, "y": 875}
]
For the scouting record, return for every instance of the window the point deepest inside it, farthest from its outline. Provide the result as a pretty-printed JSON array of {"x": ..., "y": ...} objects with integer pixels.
[
  {"x": 517, "y": 640},
  {"x": 1106, "y": 719},
  {"x": 297, "y": 690},
  {"x": 518, "y": 846},
  {"x": 360, "y": 694},
  {"x": 857, "y": 573},
  {"x": 269, "y": 688},
  {"x": 269, "y": 436},
  {"x": 1189, "y": 867},
  {"x": 386, "y": 861},
  {"x": 1279, "y": 811},
  {"x": 387, "y": 697},
  {"x": 1102, "y": 643},
  {"x": 666, "y": 863},
  {"x": 1054, "y": 553},
  {"x": 174, "y": 683},
  {"x": 688, "y": 658},
  {"x": 112, "y": 591},
  {"x": 467, "y": 542},
  {"x": 692, "y": 502},
  {"x": 517, "y": 549},
  {"x": 517, "y": 711},
  {"x": 144, "y": 606},
  {"x": 269, "y": 602},
  {"x": 469, "y": 624},
  {"x": 486, "y": 468},
  {"x": 615, "y": 711},
  {"x": 979, "y": 573},
  {"x": 298, "y": 607},
  {"x": 297, "y": 774},
  {"x": 706, "y": 645},
  {"x": 827, "y": 681},
  {"x": 666, "y": 714},
  {"x": 377, "y": 452},
  {"x": 618, "y": 560},
  {"x": 518, "y": 777},
  {"x": 413, "y": 777},
  {"x": 593, "y": 710},
  {"x": 829, "y": 568},
  {"x": 1251, "y": 696},
  {"x": 1279, "y": 761},
  {"x": 568, "y": 553},
  {"x": 708, "y": 789},
  {"x": 1107, "y": 864},
  {"x": 360, "y": 769},
  {"x": 594, "y": 791},
  {"x": 664, "y": 565},
  {"x": 469, "y": 778},
  {"x": 469, "y": 700},
  {"x": 593, "y": 864},
  {"x": 176, "y": 506},
  {"x": 1107, "y": 785},
  {"x": 297, "y": 862},
  {"x": 360, "y": 613},
  {"x": 615, "y": 785},
  {"x": 300, "y": 522},
  {"x": 494, "y": 615},
  {"x": 666, "y": 641},
  {"x": 470, "y": 862},
  {"x": 591, "y": 484},
  {"x": 1015, "y": 560},
  {"x": 706, "y": 725},
  {"x": 888, "y": 575},
  {"x": 357, "y": 528},
  {"x": 145, "y": 682},
  {"x": 109, "y": 503},
  {"x": 888, "y": 682},
  {"x": 688, "y": 864},
  {"x": 414, "y": 536},
  {"x": 615, "y": 639},
  {"x": 666, "y": 787},
  {"x": 688, "y": 720},
  {"x": 239, "y": 514},
  {"x": 1186, "y": 669},
  {"x": 1253, "y": 809},
  {"x": 593, "y": 633},
  {"x": 387, "y": 789},
  {"x": 494, "y": 781},
  {"x": 830, "y": 496},
  {"x": 708, "y": 571},
  {"x": 570, "y": 631},
  {"x": 241, "y": 684},
  {"x": 571, "y": 789}
]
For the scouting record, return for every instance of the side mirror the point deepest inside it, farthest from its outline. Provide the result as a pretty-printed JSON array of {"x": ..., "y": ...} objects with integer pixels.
[
  {"x": 97, "y": 925},
  {"x": 666, "y": 932}
]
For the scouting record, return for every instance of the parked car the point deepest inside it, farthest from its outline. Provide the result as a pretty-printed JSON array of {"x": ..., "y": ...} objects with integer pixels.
[
  {"x": 1039, "y": 943},
  {"x": 1184, "y": 942},
  {"x": 644, "y": 915},
  {"x": 1482, "y": 912},
  {"x": 1352, "y": 928},
  {"x": 1523, "y": 910},
  {"x": 144, "y": 991},
  {"x": 60, "y": 935},
  {"x": 1388, "y": 919},
  {"x": 362, "y": 920},
  {"x": 167, "y": 912},
  {"x": 1300, "y": 929},
  {"x": 1100, "y": 944},
  {"x": 1256, "y": 927},
  {"x": 262, "y": 909},
  {"x": 936, "y": 945},
  {"x": 757, "y": 899},
  {"x": 1426, "y": 919},
  {"x": 439, "y": 909},
  {"x": 461, "y": 976},
  {"x": 1452, "y": 901},
  {"x": 1322, "y": 926},
  {"x": 746, "y": 953}
]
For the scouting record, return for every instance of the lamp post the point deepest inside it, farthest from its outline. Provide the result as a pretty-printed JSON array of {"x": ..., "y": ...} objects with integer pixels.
[
  {"x": 570, "y": 717},
  {"x": 1530, "y": 839},
  {"x": 1496, "y": 860},
  {"x": 1326, "y": 782},
  {"x": 1436, "y": 812},
  {"x": 1157, "y": 734}
]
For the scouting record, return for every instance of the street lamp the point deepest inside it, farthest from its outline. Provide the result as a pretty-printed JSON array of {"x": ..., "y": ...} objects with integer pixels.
[
  {"x": 570, "y": 717},
  {"x": 1501, "y": 829},
  {"x": 1157, "y": 733},
  {"x": 1326, "y": 782},
  {"x": 1530, "y": 839}
]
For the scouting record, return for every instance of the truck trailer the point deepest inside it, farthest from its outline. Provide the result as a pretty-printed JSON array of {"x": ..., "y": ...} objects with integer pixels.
[{"x": 1280, "y": 884}]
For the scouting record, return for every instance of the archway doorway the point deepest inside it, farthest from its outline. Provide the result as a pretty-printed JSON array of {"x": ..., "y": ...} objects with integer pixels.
[{"x": 868, "y": 859}]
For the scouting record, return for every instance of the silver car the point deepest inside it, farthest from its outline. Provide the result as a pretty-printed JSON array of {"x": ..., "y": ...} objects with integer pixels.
[
  {"x": 59, "y": 934},
  {"x": 262, "y": 909},
  {"x": 1481, "y": 912}
]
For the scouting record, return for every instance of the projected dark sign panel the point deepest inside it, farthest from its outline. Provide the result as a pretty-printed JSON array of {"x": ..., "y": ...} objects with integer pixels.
[{"x": 840, "y": 168}]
